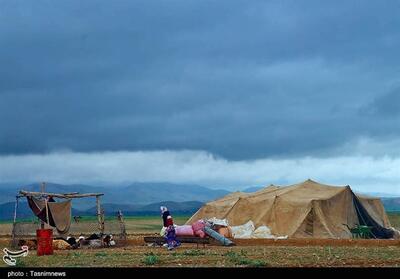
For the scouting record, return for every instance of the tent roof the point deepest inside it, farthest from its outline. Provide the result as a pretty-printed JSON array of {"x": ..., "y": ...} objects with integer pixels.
[{"x": 305, "y": 191}]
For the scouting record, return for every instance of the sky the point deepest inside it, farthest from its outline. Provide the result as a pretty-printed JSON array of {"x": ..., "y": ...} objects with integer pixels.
[{"x": 226, "y": 94}]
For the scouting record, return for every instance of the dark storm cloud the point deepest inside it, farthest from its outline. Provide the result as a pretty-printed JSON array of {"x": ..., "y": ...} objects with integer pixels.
[
  {"x": 238, "y": 79},
  {"x": 387, "y": 105}
]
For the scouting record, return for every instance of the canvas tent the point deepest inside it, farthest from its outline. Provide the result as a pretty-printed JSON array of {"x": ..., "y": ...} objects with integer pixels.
[{"x": 307, "y": 209}]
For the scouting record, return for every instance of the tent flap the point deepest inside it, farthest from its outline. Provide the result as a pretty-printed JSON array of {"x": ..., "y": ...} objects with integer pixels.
[{"x": 365, "y": 219}]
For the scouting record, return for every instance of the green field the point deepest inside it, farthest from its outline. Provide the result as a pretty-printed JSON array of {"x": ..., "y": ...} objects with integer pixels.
[
  {"x": 394, "y": 218},
  {"x": 149, "y": 224}
]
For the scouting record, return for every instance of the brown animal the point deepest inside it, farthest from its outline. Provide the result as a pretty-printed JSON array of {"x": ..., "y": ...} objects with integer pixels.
[
  {"x": 61, "y": 244},
  {"x": 106, "y": 240},
  {"x": 31, "y": 243}
]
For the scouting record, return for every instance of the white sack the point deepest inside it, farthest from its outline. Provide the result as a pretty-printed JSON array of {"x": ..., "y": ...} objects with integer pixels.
[{"x": 243, "y": 231}]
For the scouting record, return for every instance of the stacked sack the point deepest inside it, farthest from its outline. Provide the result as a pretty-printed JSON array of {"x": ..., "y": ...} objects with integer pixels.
[
  {"x": 198, "y": 228},
  {"x": 185, "y": 230}
]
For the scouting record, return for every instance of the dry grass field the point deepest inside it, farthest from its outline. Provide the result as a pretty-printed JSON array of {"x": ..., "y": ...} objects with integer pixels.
[{"x": 216, "y": 256}]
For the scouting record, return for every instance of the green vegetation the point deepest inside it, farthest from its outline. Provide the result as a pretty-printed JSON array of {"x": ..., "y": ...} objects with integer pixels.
[
  {"x": 216, "y": 256},
  {"x": 196, "y": 252},
  {"x": 76, "y": 254},
  {"x": 20, "y": 263},
  {"x": 241, "y": 259},
  {"x": 32, "y": 219},
  {"x": 151, "y": 259},
  {"x": 394, "y": 218}
]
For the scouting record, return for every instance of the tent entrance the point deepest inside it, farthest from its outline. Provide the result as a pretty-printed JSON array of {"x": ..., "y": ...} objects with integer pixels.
[
  {"x": 365, "y": 219},
  {"x": 310, "y": 223}
]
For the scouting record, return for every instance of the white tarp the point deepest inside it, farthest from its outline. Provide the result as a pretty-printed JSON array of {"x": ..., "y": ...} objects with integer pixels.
[
  {"x": 265, "y": 232},
  {"x": 248, "y": 230},
  {"x": 396, "y": 233},
  {"x": 219, "y": 222},
  {"x": 262, "y": 232},
  {"x": 243, "y": 231}
]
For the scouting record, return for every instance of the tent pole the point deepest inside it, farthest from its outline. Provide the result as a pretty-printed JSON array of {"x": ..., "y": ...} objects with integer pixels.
[
  {"x": 14, "y": 221},
  {"x": 121, "y": 225},
  {"x": 15, "y": 209},
  {"x": 99, "y": 217},
  {"x": 42, "y": 189},
  {"x": 47, "y": 213}
]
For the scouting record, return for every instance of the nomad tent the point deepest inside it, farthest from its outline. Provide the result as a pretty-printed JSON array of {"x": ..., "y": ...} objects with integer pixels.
[{"x": 308, "y": 209}]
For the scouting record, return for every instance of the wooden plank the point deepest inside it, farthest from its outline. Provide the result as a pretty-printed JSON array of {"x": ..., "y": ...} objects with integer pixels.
[
  {"x": 183, "y": 239},
  {"x": 63, "y": 196}
]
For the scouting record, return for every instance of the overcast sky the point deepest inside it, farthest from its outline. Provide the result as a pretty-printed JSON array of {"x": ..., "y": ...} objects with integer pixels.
[{"x": 221, "y": 93}]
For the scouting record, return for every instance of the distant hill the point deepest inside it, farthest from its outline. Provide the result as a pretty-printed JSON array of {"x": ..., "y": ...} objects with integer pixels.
[
  {"x": 177, "y": 208},
  {"x": 133, "y": 194},
  {"x": 391, "y": 204},
  {"x": 7, "y": 211},
  {"x": 8, "y": 192},
  {"x": 145, "y": 193},
  {"x": 252, "y": 189},
  {"x": 381, "y": 195}
]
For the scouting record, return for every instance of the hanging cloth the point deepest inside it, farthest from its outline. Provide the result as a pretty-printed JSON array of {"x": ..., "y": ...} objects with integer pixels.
[{"x": 59, "y": 213}]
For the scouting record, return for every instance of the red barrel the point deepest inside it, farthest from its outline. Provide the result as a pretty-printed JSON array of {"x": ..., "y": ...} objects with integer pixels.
[{"x": 44, "y": 242}]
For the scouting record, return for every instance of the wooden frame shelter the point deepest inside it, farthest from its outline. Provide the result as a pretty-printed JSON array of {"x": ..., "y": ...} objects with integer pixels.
[{"x": 46, "y": 196}]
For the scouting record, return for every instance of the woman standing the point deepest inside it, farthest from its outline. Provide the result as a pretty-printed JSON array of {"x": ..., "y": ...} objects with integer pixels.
[{"x": 169, "y": 229}]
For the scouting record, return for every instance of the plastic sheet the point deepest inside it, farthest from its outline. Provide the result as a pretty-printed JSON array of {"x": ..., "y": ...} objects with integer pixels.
[
  {"x": 198, "y": 225},
  {"x": 185, "y": 230},
  {"x": 243, "y": 231},
  {"x": 219, "y": 222}
]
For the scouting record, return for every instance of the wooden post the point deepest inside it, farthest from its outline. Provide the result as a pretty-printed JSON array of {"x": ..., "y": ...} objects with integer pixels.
[
  {"x": 47, "y": 212},
  {"x": 121, "y": 225},
  {"x": 14, "y": 221},
  {"x": 99, "y": 215},
  {"x": 62, "y": 196},
  {"x": 42, "y": 189},
  {"x": 46, "y": 204}
]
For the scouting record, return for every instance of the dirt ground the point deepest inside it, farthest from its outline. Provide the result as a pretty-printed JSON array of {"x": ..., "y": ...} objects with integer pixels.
[
  {"x": 247, "y": 253},
  {"x": 217, "y": 256}
]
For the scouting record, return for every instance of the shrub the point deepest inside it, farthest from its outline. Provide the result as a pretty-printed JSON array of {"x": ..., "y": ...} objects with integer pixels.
[
  {"x": 241, "y": 259},
  {"x": 151, "y": 259},
  {"x": 193, "y": 253}
]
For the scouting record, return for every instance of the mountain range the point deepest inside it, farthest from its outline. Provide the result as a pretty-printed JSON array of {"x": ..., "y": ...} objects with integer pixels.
[{"x": 133, "y": 194}]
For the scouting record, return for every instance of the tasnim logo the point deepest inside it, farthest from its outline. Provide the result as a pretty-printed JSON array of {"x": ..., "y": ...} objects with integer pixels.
[{"x": 9, "y": 257}]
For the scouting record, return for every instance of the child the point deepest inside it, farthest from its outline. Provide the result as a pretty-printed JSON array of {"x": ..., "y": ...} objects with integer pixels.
[{"x": 168, "y": 223}]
